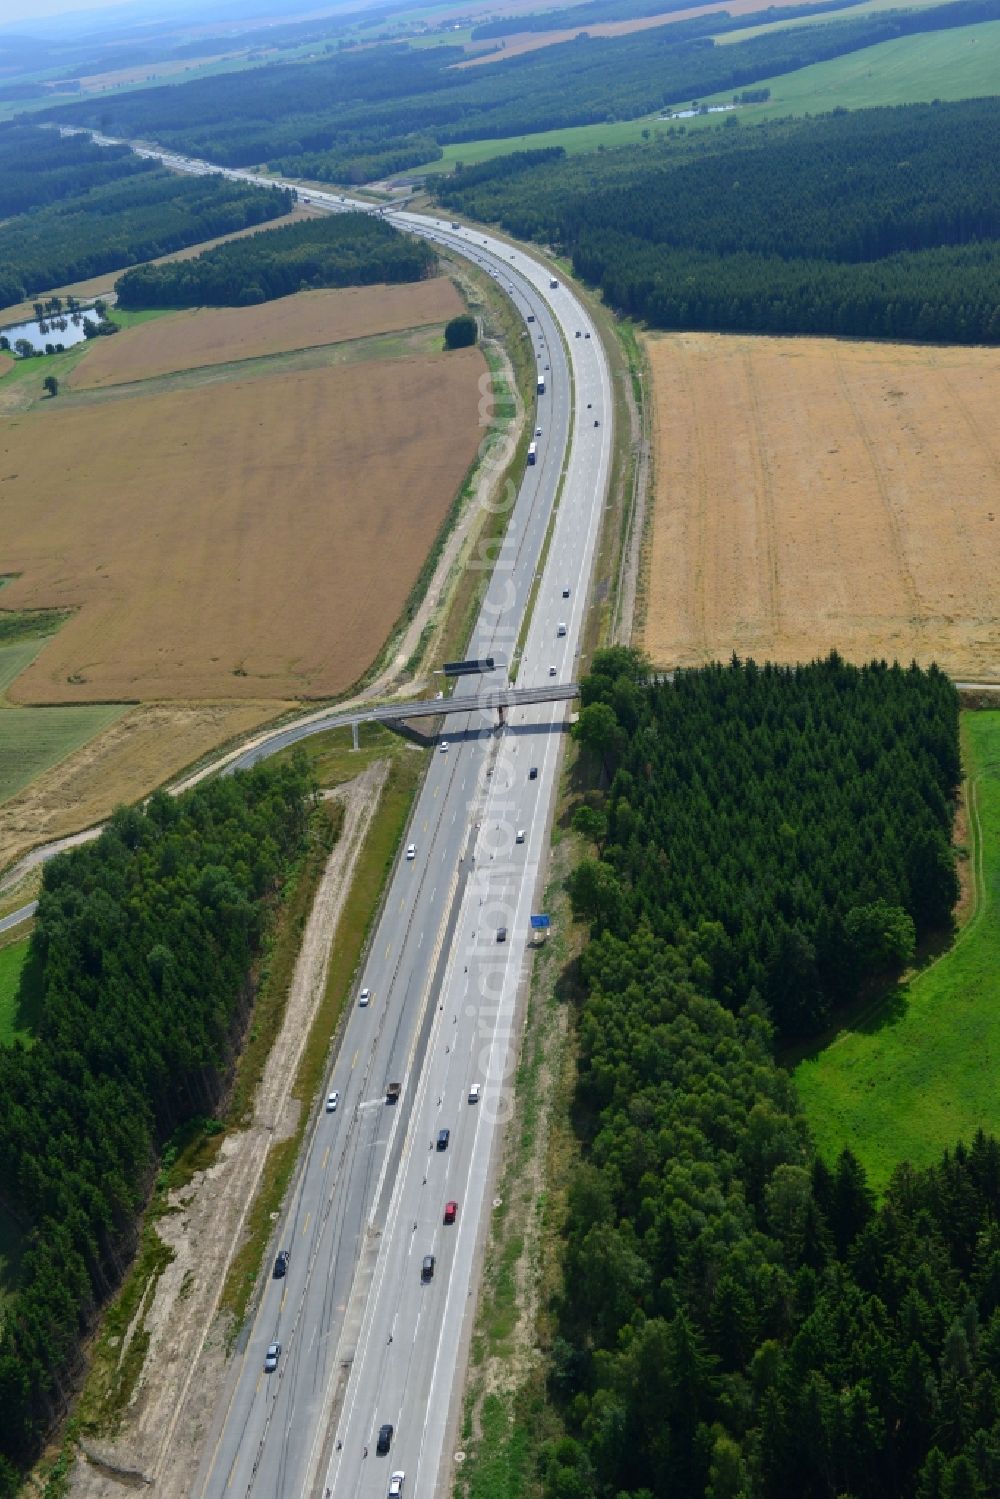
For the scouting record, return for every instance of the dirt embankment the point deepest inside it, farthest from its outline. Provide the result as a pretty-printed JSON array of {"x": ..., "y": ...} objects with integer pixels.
[{"x": 161, "y": 1438}]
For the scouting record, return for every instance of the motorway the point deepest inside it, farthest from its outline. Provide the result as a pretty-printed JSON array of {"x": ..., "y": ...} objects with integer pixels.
[{"x": 365, "y": 1338}]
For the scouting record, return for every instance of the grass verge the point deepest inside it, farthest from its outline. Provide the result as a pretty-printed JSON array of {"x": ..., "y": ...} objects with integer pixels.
[
  {"x": 19, "y": 996},
  {"x": 917, "y": 1071}
]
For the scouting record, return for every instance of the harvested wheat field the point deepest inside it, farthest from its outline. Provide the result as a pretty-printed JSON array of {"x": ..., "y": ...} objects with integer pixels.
[
  {"x": 815, "y": 494},
  {"x": 257, "y": 545},
  {"x": 219, "y": 335},
  {"x": 146, "y": 747}
]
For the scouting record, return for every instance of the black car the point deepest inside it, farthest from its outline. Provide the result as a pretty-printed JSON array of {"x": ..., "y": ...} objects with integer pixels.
[
  {"x": 384, "y": 1439},
  {"x": 444, "y": 1135},
  {"x": 281, "y": 1264},
  {"x": 533, "y": 773},
  {"x": 427, "y": 1268}
]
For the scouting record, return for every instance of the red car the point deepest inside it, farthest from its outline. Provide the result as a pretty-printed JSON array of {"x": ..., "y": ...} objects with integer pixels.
[{"x": 450, "y": 1210}]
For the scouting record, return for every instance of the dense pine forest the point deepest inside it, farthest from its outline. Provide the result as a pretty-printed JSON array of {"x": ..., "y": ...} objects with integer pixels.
[
  {"x": 112, "y": 221},
  {"x": 361, "y": 114},
  {"x": 799, "y": 817},
  {"x": 883, "y": 222},
  {"x": 142, "y": 959},
  {"x": 41, "y": 166},
  {"x": 349, "y": 249},
  {"x": 739, "y": 1319}
]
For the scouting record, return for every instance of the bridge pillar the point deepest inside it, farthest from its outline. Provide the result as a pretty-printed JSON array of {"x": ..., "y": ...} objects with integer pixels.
[{"x": 355, "y": 740}]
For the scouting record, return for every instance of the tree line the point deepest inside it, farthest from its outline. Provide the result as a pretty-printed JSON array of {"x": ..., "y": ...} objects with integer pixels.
[
  {"x": 117, "y": 223},
  {"x": 883, "y": 222},
  {"x": 738, "y": 1318},
  {"x": 806, "y": 812},
  {"x": 360, "y": 108},
  {"x": 142, "y": 958},
  {"x": 347, "y": 249}
]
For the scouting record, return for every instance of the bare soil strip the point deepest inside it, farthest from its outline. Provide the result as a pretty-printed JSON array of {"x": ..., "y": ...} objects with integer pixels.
[
  {"x": 814, "y": 494},
  {"x": 163, "y": 1432}
]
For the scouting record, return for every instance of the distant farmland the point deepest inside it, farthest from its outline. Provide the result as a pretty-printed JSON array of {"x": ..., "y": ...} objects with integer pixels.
[
  {"x": 813, "y": 494},
  {"x": 257, "y": 545},
  {"x": 218, "y": 335}
]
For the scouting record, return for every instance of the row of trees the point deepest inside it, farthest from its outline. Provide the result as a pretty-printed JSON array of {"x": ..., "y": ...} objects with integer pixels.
[
  {"x": 142, "y": 959},
  {"x": 346, "y": 249},
  {"x": 806, "y": 812},
  {"x": 119, "y": 223},
  {"x": 808, "y": 226},
  {"x": 738, "y": 1319},
  {"x": 370, "y": 105}
]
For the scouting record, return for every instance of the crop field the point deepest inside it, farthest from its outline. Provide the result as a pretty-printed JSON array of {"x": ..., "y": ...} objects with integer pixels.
[
  {"x": 918, "y": 1071},
  {"x": 258, "y": 545},
  {"x": 959, "y": 64},
  {"x": 529, "y": 41},
  {"x": 814, "y": 494},
  {"x": 141, "y": 748},
  {"x": 33, "y": 739},
  {"x": 103, "y": 285},
  {"x": 217, "y": 335}
]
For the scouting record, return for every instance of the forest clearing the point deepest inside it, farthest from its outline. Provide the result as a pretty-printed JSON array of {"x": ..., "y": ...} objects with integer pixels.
[
  {"x": 217, "y": 335},
  {"x": 813, "y": 494},
  {"x": 209, "y": 547}
]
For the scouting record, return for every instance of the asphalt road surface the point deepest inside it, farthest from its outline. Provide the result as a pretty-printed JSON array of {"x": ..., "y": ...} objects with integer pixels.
[{"x": 365, "y": 1338}]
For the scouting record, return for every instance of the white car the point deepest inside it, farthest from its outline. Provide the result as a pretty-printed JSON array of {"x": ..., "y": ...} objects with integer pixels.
[
  {"x": 519, "y": 836},
  {"x": 271, "y": 1357},
  {"x": 411, "y": 850},
  {"x": 396, "y": 1484},
  {"x": 560, "y": 629},
  {"x": 444, "y": 746},
  {"x": 364, "y": 997},
  {"x": 474, "y": 1092},
  {"x": 538, "y": 431},
  {"x": 552, "y": 671},
  {"x": 332, "y": 1100}
]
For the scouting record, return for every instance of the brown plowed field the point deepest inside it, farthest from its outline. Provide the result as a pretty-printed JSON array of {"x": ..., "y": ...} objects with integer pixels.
[
  {"x": 814, "y": 494},
  {"x": 218, "y": 335},
  {"x": 257, "y": 545}
]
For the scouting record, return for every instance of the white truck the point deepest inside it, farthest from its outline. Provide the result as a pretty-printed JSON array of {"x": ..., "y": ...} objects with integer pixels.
[
  {"x": 541, "y": 385},
  {"x": 532, "y": 452}
]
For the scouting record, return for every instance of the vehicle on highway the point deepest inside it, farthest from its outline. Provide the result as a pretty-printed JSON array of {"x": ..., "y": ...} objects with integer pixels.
[
  {"x": 553, "y": 283},
  {"x": 427, "y": 1268},
  {"x": 474, "y": 1092},
  {"x": 538, "y": 431},
  {"x": 578, "y": 333},
  {"x": 392, "y": 1092},
  {"x": 444, "y": 1135},
  {"x": 271, "y": 1357},
  {"x": 533, "y": 773},
  {"x": 552, "y": 671},
  {"x": 396, "y": 1484},
  {"x": 531, "y": 317},
  {"x": 411, "y": 850},
  {"x": 565, "y": 593},
  {"x": 501, "y": 934},
  {"x": 519, "y": 836},
  {"x": 444, "y": 746},
  {"x": 450, "y": 1211},
  {"x": 281, "y": 1264},
  {"x": 560, "y": 628},
  {"x": 586, "y": 335},
  {"x": 596, "y": 422},
  {"x": 384, "y": 1439},
  {"x": 332, "y": 1100},
  {"x": 364, "y": 997}
]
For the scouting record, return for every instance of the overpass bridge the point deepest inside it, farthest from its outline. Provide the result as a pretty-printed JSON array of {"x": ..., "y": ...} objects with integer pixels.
[{"x": 497, "y": 700}]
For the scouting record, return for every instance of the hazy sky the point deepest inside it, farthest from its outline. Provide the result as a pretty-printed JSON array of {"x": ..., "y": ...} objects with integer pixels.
[{"x": 27, "y": 11}]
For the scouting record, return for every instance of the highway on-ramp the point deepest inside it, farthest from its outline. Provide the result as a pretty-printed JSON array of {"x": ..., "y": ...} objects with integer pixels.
[{"x": 369, "y": 1336}]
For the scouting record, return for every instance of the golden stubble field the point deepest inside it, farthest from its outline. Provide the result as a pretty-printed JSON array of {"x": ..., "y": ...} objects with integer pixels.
[
  {"x": 217, "y": 335},
  {"x": 814, "y": 494},
  {"x": 258, "y": 545}
]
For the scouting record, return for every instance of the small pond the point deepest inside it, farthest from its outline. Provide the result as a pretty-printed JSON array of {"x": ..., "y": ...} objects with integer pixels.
[{"x": 58, "y": 328}]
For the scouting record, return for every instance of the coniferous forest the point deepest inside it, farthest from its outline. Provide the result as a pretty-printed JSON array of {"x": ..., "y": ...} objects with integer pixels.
[
  {"x": 142, "y": 958},
  {"x": 877, "y": 223},
  {"x": 346, "y": 249},
  {"x": 737, "y": 1318}
]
